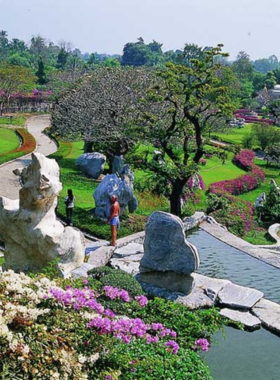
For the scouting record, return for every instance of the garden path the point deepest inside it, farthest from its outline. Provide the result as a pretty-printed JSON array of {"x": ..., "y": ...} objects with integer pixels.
[{"x": 9, "y": 183}]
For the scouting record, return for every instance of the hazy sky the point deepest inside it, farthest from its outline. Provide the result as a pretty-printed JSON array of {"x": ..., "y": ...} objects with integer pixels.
[{"x": 106, "y": 25}]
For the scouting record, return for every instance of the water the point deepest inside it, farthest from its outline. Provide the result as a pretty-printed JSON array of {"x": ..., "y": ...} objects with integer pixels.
[{"x": 242, "y": 355}]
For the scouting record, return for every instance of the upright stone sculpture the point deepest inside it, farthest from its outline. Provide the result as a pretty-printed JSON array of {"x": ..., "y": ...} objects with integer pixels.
[
  {"x": 32, "y": 234},
  {"x": 113, "y": 185},
  {"x": 91, "y": 163},
  {"x": 166, "y": 248}
]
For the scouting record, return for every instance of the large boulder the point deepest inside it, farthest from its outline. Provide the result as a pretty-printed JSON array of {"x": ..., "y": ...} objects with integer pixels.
[
  {"x": 113, "y": 185},
  {"x": 91, "y": 164},
  {"x": 165, "y": 246},
  {"x": 32, "y": 234}
]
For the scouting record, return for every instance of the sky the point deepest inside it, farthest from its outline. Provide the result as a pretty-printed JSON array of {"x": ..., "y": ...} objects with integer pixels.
[{"x": 105, "y": 26}]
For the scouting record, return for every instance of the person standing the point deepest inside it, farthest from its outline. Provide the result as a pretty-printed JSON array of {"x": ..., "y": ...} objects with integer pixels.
[
  {"x": 69, "y": 203},
  {"x": 114, "y": 218}
]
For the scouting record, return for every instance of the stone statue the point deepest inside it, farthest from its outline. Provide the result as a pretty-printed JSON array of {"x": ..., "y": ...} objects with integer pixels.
[{"x": 33, "y": 236}]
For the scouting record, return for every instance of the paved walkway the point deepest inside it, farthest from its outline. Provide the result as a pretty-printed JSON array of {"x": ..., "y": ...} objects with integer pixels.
[{"x": 9, "y": 184}]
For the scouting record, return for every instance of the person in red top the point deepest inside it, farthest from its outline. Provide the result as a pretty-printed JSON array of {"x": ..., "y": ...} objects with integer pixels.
[{"x": 114, "y": 218}]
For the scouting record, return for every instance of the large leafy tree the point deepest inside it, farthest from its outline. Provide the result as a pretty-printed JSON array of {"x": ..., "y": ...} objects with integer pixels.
[
  {"x": 102, "y": 109},
  {"x": 182, "y": 104}
]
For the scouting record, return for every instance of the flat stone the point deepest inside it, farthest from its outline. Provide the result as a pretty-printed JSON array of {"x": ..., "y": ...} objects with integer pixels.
[
  {"x": 195, "y": 300},
  {"x": 128, "y": 266},
  {"x": 193, "y": 221},
  {"x": 81, "y": 271},
  {"x": 244, "y": 317},
  {"x": 269, "y": 313},
  {"x": 210, "y": 286},
  {"x": 239, "y": 297},
  {"x": 129, "y": 249},
  {"x": 101, "y": 256}
]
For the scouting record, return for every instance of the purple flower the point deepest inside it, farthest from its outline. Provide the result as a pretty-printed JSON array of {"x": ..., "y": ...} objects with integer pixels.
[
  {"x": 142, "y": 300},
  {"x": 203, "y": 344},
  {"x": 173, "y": 345}
]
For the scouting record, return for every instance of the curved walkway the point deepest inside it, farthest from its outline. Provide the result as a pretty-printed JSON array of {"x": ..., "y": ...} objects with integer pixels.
[{"x": 9, "y": 183}]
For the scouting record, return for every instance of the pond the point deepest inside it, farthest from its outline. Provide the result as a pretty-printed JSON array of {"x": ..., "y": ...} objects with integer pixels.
[{"x": 242, "y": 355}]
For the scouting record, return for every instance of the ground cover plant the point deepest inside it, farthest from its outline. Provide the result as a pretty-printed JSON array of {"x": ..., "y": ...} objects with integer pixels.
[{"x": 62, "y": 329}]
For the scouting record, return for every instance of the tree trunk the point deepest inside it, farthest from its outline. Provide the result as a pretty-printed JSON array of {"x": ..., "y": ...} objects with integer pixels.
[
  {"x": 175, "y": 197},
  {"x": 88, "y": 146}
]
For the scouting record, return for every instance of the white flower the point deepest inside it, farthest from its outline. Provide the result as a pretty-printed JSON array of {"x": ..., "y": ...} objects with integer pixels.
[{"x": 82, "y": 359}]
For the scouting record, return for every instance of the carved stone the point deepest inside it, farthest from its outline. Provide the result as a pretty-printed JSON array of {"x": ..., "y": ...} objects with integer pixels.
[{"x": 32, "y": 234}]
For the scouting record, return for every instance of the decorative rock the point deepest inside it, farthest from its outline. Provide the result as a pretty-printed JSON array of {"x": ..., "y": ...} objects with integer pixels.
[
  {"x": 81, "y": 271},
  {"x": 117, "y": 165},
  {"x": 165, "y": 246},
  {"x": 91, "y": 163},
  {"x": 244, "y": 317},
  {"x": 269, "y": 313},
  {"x": 113, "y": 185},
  {"x": 129, "y": 249},
  {"x": 239, "y": 297},
  {"x": 32, "y": 234},
  {"x": 101, "y": 256}
]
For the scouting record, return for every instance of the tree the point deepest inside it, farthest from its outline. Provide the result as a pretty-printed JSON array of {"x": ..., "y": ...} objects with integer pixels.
[
  {"x": 102, "y": 109},
  {"x": 190, "y": 52},
  {"x": 14, "y": 79},
  {"x": 243, "y": 66},
  {"x": 40, "y": 73},
  {"x": 265, "y": 135},
  {"x": 181, "y": 105},
  {"x": 62, "y": 59}
]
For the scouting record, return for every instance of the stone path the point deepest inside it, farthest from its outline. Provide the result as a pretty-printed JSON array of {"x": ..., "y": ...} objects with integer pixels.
[{"x": 9, "y": 184}]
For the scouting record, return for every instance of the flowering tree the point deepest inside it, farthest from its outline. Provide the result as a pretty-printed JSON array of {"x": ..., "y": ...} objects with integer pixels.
[
  {"x": 102, "y": 109},
  {"x": 182, "y": 104}
]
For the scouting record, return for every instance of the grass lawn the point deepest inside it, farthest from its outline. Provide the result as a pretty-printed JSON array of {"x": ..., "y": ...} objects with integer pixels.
[
  {"x": 17, "y": 121},
  {"x": 9, "y": 140}
]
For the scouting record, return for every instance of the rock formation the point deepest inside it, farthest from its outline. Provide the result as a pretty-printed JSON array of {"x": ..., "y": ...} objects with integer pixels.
[
  {"x": 113, "y": 185},
  {"x": 32, "y": 234},
  {"x": 91, "y": 163},
  {"x": 165, "y": 246}
]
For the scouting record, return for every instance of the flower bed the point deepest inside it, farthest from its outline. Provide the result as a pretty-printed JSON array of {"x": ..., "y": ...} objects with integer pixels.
[
  {"x": 28, "y": 145},
  {"x": 63, "y": 330},
  {"x": 244, "y": 183}
]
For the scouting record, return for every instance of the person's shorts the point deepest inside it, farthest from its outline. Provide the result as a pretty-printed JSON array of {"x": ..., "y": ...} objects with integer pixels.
[{"x": 115, "y": 221}]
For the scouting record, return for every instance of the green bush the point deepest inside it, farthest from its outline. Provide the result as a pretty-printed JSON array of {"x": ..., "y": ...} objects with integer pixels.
[{"x": 118, "y": 279}]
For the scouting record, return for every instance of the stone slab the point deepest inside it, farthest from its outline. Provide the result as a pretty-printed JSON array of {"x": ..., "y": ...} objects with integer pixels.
[
  {"x": 81, "y": 271},
  {"x": 129, "y": 249},
  {"x": 210, "y": 286},
  {"x": 128, "y": 266},
  {"x": 239, "y": 297},
  {"x": 244, "y": 317},
  {"x": 101, "y": 256},
  {"x": 195, "y": 300},
  {"x": 269, "y": 313}
]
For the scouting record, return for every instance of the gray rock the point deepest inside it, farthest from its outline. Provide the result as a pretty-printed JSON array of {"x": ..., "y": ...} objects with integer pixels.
[
  {"x": 129, "y": 249},
  {"x": 175, "y": 282},
  {"x": 101, "y": 256},
  {"x": 130, "y": 266},
  {"x": 165, "y": 246},
  {"x": 210, "y": 286},
  {"x": 117, "y": 165},
  {"x": 195, "y": 300},
  {"x": 82, "y": 271},
  {"x": 193, "y": 221},
  {"x": 239, "y": 297},
  {"x": 244, "y": 317},
  {"x": 269, "y": 313},
  {"x": 32, "y": 234},
  {"x": 156, "y": 291},
  {"x": 113, "y": 185},
  {"x": 91, "y": 163}
]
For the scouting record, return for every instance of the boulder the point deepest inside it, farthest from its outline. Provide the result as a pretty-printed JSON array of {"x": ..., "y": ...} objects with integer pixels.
[
  {"x": 32, "y": 234},
  {"x": 91, "y": 164},
  {"x": 117, "y": 165},
  {"x": 166, "y": 247},
  {"x": 113, "y": 185},
  {"x": 269, "y": 313}
]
